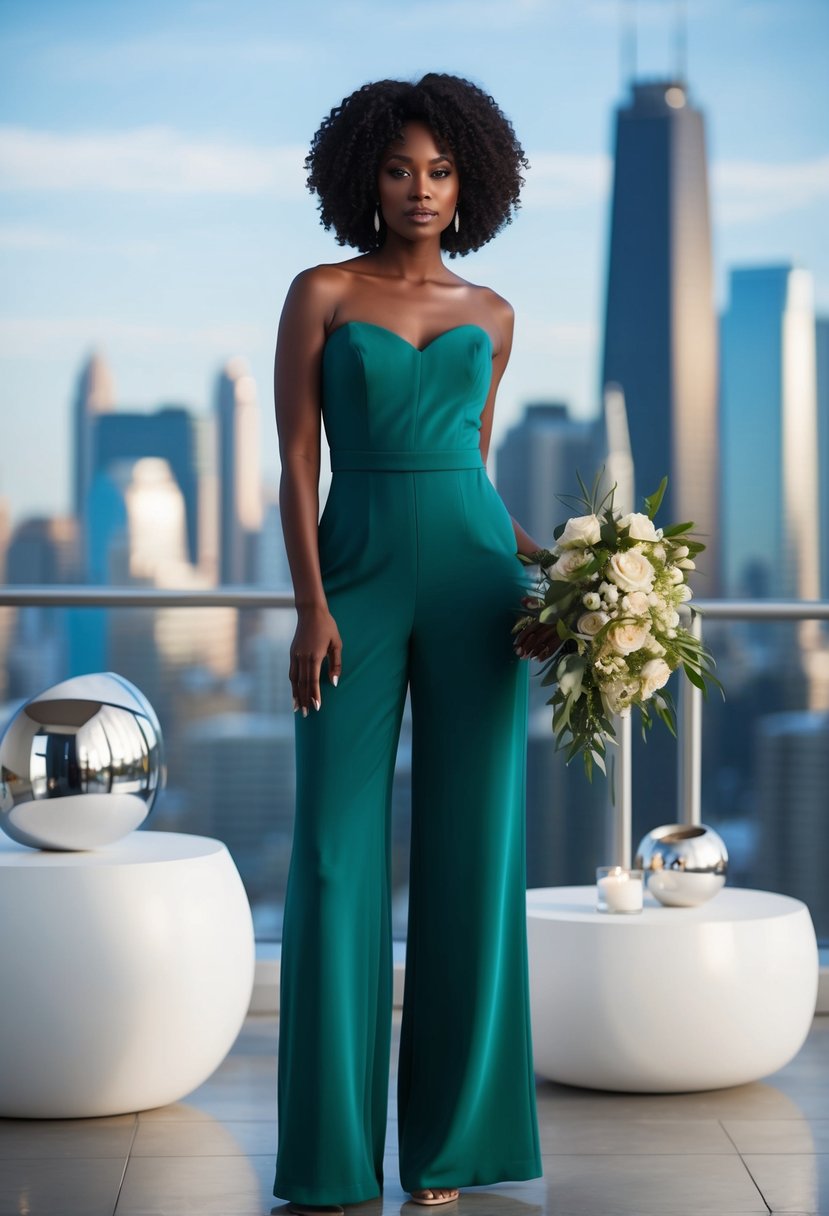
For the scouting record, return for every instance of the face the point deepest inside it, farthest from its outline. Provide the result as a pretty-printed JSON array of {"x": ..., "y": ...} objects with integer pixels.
[{"x": 414, "y": 173}]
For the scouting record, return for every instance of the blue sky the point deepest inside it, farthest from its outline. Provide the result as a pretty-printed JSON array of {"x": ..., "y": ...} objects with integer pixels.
[{"x": 153, "y": 206}]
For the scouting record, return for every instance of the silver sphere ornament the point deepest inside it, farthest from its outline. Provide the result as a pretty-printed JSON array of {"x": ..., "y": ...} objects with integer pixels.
[
  {"x": 684, "y": 864},
  {"x": 81, "y": 764}
]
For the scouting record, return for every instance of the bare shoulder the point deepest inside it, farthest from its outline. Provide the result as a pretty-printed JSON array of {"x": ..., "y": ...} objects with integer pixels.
[{"x": 500, "y": 309}]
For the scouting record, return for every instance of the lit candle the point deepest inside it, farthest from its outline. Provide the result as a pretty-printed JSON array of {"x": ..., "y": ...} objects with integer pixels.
[{"x": 621, "y": 890}]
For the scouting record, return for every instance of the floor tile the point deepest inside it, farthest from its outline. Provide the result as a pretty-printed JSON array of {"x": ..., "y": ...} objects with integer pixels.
[
  {"x": 60, "y": 1186},
  {"x": 21, "y": 1139},
  {"x": 792, "y": 1182}
]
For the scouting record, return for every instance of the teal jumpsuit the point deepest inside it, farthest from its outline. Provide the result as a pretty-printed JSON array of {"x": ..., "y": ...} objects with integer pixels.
[{"x": 419, "y": 567}]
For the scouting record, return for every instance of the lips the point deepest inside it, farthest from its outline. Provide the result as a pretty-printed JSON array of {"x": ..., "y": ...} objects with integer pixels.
[{"x": 421, "y": 211}]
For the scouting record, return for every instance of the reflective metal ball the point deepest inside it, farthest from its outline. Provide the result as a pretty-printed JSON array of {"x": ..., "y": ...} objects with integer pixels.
[
  {"x": 80, "y": 764},
  {"x": 684, "y": 864}
]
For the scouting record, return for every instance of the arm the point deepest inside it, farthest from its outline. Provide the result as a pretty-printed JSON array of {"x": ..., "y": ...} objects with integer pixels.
[
  {"x": 300, "y": 342},
  {"x": 506, "y": 324}
]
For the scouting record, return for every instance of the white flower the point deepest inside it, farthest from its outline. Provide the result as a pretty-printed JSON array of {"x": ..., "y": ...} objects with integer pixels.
[
  {"x": 654, "y": 674},
  {"x": 658, "y": 552},
  {"x": 609, "y": 591},
  {"x": 681, "y": 551},
  {"x": 675, "y": 574},
  {"x": 635, "y": 603},
  {"x": 628, "y": 636},
  {"x": 580, "y": 530},
  {"x": 631, "y": 571},
  {"x": 687, "y": 563},
  {"x": 640, "y": 526},
  {"x": 591, "y": 600},
  {"x": 684, "y": 592},
  {"x": 590, "y": 623},
  {"x": 570, "y": 676},
  {"x": 570, "y": 562},
  {"x": 618, "y": 696}
]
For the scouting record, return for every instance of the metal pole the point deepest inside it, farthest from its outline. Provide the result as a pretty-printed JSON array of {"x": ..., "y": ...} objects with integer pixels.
[
  {"x": 622, "y": 820},
  {"x": 689, "y": 772}
]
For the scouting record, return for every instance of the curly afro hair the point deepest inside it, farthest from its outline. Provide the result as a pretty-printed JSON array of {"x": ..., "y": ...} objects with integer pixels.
[{"x": 345, "y": 157}]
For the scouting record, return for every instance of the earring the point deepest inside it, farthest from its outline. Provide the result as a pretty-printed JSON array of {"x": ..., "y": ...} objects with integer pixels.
[
  {"x": 457, "y": 220},
  {"x": 377, "y": 218}
]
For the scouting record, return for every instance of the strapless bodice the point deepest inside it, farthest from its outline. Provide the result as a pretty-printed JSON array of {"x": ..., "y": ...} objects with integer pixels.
[{"x": 389, "y": 404}]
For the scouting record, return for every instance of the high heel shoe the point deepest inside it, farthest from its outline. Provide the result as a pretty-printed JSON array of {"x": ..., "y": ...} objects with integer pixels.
[{"x": 437, "y": 1198}]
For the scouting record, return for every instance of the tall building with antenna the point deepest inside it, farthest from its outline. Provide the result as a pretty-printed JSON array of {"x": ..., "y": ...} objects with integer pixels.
[{"x": 660, "y": 339}]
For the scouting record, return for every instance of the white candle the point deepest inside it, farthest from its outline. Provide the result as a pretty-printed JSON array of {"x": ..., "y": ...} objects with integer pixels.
[{"x": 621, "y": 892}]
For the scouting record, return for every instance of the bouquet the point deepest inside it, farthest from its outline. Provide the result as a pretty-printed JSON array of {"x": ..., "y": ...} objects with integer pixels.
[{"x": 612, "y": 585}]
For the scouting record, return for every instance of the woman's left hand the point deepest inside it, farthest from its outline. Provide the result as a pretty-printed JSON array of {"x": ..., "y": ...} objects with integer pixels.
[{"x": 537, "y": 640}]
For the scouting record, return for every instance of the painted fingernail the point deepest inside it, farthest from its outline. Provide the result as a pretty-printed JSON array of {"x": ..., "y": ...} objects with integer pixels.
[
  {"x": 296, "y": 705},
  {"x": 335, "y": 680},
  {"x": 316, "y": 703},
  {"x": 305, "y": 711}
]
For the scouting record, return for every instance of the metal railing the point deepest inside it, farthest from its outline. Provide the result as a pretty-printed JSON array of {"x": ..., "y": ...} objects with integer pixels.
[{"x": 689, "y": 723}]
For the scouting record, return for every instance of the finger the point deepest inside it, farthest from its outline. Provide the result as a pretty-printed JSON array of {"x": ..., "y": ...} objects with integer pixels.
[
  {"x": 292, "y": 676},
  {"x": 314, "y": 681},
  {"x": 335, "y": 662},
  {"x": 304, "y": 697}
]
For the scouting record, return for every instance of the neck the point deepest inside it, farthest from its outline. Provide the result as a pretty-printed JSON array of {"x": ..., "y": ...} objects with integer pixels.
[{"x": 416, "y": 261}]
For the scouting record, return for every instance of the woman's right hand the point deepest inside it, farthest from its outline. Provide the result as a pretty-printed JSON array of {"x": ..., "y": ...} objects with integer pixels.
[{"x": 316, "y": 636}]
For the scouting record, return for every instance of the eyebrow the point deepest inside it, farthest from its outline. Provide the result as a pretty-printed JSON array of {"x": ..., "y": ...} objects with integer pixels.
[{"x": 399, "y": 156}]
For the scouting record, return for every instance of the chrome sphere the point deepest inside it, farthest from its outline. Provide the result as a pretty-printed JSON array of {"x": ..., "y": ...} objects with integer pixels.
[
  {"x": 685, "y": 864},
  {"x": 80, "y": 764}
]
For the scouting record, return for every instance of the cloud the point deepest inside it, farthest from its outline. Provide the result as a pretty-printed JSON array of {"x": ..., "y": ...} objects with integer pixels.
[
  {"x": 151, "y": 159},
  {"x": 565, "y": 179},
  {"x": 749, "y": 190},
  {"x": 57, "y": 337},
  {"x": 160, "y": 160}
]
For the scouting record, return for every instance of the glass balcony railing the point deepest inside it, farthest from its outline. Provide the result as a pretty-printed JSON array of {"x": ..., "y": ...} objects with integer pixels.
[{"x": 214, "y": 664}]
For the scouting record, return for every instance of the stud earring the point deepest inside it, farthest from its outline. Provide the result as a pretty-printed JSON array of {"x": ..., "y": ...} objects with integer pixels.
[
  {"x": 457, "y": 220},
  {"x": 377, "y": 218}
]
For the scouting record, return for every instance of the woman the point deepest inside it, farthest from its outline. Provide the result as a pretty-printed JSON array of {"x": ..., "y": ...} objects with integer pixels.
[{"x": 410, "y": 581}]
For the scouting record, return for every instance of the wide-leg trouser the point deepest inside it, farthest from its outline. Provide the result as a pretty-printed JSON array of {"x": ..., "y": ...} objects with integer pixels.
[{"x": 422, "y": 578}]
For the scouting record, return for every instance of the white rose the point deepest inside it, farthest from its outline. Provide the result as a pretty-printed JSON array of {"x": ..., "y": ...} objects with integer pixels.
[
  {"x": 590, "y": 623},
  {"x": 591, "y": 600},
  {"x": 618, "y": 695},
  {"x": 628, "y": 636},
  {"x": 636, "y": 603},
  {"x": 631, "y": 570},
  {"x": 640, "y": 527},
  {"x": 570, "y": 562},
  {"x": 579, "y": 531},
  {"x": 654, "y": 674}
]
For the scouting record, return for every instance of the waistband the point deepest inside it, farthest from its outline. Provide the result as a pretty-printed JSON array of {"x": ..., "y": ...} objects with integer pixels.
[{"x": 406, "y": 461}]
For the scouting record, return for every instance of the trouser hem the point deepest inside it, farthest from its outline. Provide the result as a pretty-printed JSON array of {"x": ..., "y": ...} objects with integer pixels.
[
  {"x": 510, "y": 1171},
  {"x": 300, "y": 1192}
]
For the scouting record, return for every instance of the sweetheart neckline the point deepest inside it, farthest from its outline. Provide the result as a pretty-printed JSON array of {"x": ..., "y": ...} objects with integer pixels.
[{"x": 420, "y": 350}]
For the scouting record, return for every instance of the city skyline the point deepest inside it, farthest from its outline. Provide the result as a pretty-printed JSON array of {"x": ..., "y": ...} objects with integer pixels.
[{"x": 164, "y": 235}]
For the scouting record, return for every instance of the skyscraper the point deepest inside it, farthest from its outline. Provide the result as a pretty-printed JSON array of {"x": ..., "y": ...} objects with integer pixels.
[
  {"x": 240, "y": 477},
  {"x": 94, "y": 395},
  {"x": 538, "y": 460},
  {"x": 822, "y": 368},
  {"x": 771, "y": 510},
  {"x": 660, "y": 323}
]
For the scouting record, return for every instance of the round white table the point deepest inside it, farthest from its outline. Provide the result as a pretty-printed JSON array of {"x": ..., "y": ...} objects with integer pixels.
[
  {"x": 125, "y": 973},
  {"x": 668, "y": 999}
]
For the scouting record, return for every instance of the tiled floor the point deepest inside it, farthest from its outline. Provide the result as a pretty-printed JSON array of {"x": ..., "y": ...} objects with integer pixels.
[{"x": 761, "y": 1148}]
